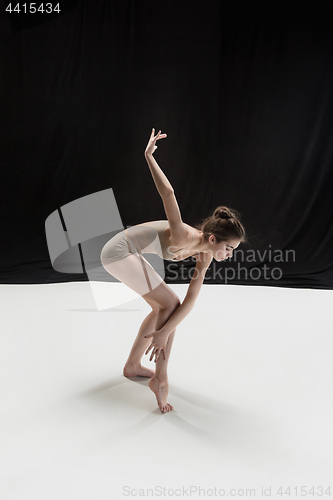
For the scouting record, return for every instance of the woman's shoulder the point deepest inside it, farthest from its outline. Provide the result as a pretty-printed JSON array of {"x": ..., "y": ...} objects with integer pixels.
[
  {"x": 157, "y": 226},
  {"x": 153, "y": 223},
  {"x": 181, "y": 240}
]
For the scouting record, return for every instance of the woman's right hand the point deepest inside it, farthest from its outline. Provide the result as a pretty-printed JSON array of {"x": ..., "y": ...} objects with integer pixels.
[
  {"x": 151, "y": 146},
  {"x": 158, "y": 344}
]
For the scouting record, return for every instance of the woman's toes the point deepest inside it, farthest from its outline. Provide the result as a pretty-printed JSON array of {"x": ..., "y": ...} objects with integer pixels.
[{"x": 166, "y": 408}]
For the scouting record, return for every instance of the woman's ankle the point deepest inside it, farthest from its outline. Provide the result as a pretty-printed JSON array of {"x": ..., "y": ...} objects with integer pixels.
[{"x": 161, "y": 377}]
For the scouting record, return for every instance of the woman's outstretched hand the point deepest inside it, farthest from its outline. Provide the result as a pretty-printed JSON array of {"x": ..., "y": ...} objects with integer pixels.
[
  {"x": 151, "y": 146},
  {"x": 158, "y": 344}
]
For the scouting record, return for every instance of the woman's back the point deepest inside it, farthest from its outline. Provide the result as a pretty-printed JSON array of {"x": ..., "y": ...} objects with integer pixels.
[{"x": 147, "y": 237}]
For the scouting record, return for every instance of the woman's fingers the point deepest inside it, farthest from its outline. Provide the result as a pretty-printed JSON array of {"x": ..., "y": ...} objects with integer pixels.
[
  {"x": 161, "y": 351},
  {"x": 152, "y": 354},
  {"x": 151, "y": 345},
  {"x": 156, "y": 351},
  {"x": 158, "y": 136}
]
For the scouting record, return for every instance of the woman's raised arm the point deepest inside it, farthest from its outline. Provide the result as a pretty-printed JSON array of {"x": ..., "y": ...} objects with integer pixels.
[{"x": 162, "y": 184}]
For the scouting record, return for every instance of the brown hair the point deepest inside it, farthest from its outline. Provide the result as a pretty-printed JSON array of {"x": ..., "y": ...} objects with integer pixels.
[{"x": 224, "y": 224}]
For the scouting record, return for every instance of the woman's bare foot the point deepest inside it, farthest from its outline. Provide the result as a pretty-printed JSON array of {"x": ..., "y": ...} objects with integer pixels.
[
  {"x": 160, "y": 389},
  {"x": 137, "y": 371}
]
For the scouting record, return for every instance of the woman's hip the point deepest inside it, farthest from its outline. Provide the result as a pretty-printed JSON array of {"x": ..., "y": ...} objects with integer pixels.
[{"x": 116, "y": 248}]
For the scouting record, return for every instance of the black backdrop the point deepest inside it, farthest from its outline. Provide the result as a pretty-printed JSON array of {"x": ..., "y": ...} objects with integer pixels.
[{"x": 245, "y": 95}]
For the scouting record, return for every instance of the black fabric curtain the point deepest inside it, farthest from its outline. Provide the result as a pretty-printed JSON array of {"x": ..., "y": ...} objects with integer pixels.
[{"x": 244, "y": 93}]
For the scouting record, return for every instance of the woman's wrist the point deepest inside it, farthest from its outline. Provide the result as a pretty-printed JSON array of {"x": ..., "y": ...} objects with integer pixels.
[{"x": 165, "y": 331}]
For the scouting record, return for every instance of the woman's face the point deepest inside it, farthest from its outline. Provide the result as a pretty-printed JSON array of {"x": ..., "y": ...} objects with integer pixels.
[{"x": 224, "y": 249}]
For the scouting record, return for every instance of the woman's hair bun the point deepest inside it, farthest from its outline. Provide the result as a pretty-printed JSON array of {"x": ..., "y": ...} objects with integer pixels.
[
  {"x": 224, "y": 224},
  {"x": 223, "y": 213}
]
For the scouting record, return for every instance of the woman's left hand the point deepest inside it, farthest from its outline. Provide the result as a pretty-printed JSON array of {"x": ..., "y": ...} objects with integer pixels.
[
  {"x": 151, "y": 146},
  {"x": 158, "y": 344}
]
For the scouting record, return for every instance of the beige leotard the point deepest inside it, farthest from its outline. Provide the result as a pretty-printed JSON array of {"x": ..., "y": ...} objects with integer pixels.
[
  {"x": 136, "y": 272},
  {"x": 140, "y": 239}
]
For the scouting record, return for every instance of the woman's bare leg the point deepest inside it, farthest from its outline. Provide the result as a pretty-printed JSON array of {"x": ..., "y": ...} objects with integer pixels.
[
  {"x": 133, "y": 365},
  {"x": 162, "y": 299},
  {"x": 159, "y": 379},
  {"x": 159, "y": 383}
]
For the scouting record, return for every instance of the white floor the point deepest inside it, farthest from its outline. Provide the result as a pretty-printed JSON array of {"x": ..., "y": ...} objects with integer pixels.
[{"x": 250, "y": 378}]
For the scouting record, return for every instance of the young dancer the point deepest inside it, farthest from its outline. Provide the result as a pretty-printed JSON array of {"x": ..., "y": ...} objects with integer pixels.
[{"x": 171, "y": 239}]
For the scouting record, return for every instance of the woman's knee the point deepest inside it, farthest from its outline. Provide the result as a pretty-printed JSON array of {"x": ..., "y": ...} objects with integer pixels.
[
  {"x": 163, "y": 297},
  {"x": 155, "y": 308},
  {"x": 171, "y": 304}
]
